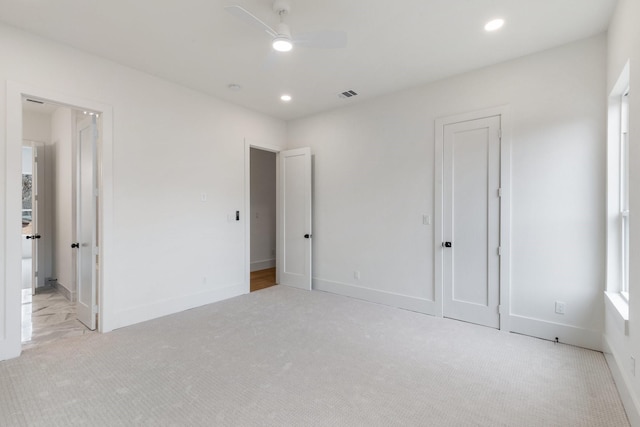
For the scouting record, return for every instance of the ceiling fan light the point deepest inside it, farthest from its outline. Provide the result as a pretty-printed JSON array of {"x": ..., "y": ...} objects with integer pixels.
[{"x": 282, "y": 44}]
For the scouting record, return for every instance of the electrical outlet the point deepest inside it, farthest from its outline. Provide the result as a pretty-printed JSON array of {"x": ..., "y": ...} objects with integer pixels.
[
  {"x": 426, "y": 220},
  {"x": 356, "y": 275},
  {"x": 560, "y": 307}
]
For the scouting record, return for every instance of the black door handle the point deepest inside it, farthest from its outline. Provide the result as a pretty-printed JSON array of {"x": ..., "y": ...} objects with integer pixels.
[
  {"x": 75, "y": 245},
  {"x": 307, "y": 236},
  {"x": 37, "y": 236},
  {"x": 29, "y": 237},
  {"x": 446, "y": 244}
]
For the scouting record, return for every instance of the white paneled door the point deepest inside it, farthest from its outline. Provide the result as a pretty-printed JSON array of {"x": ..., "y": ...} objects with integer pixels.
[
  {"x": 471, "y": 221},
  {"x": 86, "y": 243},
  {"x": 294, "y": 262}
]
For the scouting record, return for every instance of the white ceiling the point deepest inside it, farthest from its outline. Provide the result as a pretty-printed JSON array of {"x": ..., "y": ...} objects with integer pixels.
[{"x": 392, "y": 45}]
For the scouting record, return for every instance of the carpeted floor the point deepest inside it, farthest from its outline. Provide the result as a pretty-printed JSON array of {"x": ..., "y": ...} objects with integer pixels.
[{"x": 285, "y": 357}]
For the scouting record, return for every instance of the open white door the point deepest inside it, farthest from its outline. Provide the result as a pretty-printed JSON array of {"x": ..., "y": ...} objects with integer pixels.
[
  {"x": 294, "y": 260},
  {"x": 87, "y": 200}
]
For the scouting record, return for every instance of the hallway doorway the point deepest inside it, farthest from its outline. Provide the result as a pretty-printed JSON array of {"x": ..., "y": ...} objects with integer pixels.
[
  {"x": 263, "y": 208},
  {"x": 59, "y": 224}
]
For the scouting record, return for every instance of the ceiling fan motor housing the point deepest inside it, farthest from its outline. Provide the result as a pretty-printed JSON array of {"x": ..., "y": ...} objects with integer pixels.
[{"x": 283, "y": 30}]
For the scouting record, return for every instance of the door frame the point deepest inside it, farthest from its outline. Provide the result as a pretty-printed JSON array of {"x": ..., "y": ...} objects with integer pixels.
[
  {"x": 505, "y": 206},
  {"x": 11, "y": 333},
  {"x": 247, "y": 208}
]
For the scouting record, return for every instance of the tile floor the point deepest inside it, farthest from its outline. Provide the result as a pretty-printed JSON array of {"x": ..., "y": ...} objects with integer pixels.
[{"x": 47, "y": 317}]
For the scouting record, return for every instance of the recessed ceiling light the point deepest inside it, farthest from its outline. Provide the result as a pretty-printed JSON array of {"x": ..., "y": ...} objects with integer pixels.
[
  {"x": 286, "y": 98},
  {"x": 494, "y": 24},
  {"x": 234, "y": 87}
]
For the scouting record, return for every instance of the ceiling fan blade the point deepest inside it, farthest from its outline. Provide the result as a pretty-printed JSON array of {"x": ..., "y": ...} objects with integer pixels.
[
  {"x": 321, "y": 39},
  {"x": 246, "y": 16}
]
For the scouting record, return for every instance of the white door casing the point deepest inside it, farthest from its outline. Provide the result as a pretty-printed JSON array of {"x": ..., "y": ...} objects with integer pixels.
[
  {"x": 295, "y": 233},
  {"x": 471, "y": 221},
  {"x": 86, "y": 229}
]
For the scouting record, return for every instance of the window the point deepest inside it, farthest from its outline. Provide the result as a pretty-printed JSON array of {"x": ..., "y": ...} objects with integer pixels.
[{"x": 624, "y": 192}]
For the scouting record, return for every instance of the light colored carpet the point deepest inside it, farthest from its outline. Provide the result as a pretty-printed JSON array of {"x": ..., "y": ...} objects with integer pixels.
[{"x": 284, "y": 357}]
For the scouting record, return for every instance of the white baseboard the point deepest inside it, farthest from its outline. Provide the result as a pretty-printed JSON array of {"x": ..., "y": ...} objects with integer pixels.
[
  {"x": 263, "y": 265},
  {"x": 406, "y": 302},
  {"x": 631, "y": 406},
  {"x": 169, "y": 306},
  {"x": 70, "y": 296},
  {"x": 549, "y": 330}
]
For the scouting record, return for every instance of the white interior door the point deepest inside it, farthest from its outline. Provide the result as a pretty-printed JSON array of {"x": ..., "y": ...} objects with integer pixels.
[
  {"x": 29, "y": 217},
  {"x": 87, "y": 199},
  {"x": 294, "y": 262},
  {"x": 471, "y": 221}
]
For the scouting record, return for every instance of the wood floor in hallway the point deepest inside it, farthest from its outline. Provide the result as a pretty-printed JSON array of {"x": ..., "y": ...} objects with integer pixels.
[{"x": 263, "y": 279}]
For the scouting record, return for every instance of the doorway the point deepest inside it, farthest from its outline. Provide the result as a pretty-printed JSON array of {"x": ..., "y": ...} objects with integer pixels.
[
  {"x": 293, "y": 231},
  {"x": 57, "y": 214},
  {"x": 472, "y": 243},
  {"x": 262, "y": 211}
]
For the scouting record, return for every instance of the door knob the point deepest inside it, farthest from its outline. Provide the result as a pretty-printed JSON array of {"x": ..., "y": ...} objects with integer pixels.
[
  {"x": 75, "y": 245},
  {"x": 446, "y": 244},
  {"x": 37, "y": 236},
  {"x": 307, "y": 236},
  {"x": 29, "y": 237}
]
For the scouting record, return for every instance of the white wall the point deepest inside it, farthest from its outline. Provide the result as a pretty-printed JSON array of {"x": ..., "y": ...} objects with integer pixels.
[
  {"x": 374, "y": 179},
  {"x": 37, "y": 127},
  {"x": 170, "y": 251},
  {"x": 623, "y": 46},
  {"x": 62, "y": 137},
  {"x": 263, "y": 209}
]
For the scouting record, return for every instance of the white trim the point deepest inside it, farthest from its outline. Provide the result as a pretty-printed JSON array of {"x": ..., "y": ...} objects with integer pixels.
[
  {"x": 505, "y": 206},
  {"x": 392, "y": 299},
  {"x": 248, "y": 145},
  {"x": 10, "y": 339},
  {"x": 263, "y": 265},
  {"x": 625, "y": 388},
  {"x": 566, "y": 334},
  {"x": 618, "y": 307}
]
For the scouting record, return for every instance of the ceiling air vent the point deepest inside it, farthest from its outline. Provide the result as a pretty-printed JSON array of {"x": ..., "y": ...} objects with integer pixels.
[
  {"x": 33, "y": 100},
  {"x": 347, "y": 94}
]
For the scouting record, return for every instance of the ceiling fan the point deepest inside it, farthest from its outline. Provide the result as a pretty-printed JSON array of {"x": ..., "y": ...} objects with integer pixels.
[{"x": 282, "y": 39}]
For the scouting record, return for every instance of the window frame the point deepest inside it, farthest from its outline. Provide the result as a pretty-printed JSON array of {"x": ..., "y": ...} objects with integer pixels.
[{"x": 624, "y": 193}]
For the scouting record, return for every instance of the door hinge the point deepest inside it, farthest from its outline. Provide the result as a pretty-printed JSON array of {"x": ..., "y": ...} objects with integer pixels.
[
  {"x": 500, "y": 133},
  {"x": 95, "y": 192},
  {"x": 96, "y": 250},
  {"x": 499, "y": 250},
  {"x": 36, "y": 274},
  {"x": 499, "y": 192},
  {"x": 96, "y": 309},
  {"x": 500, "y": 309}
]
